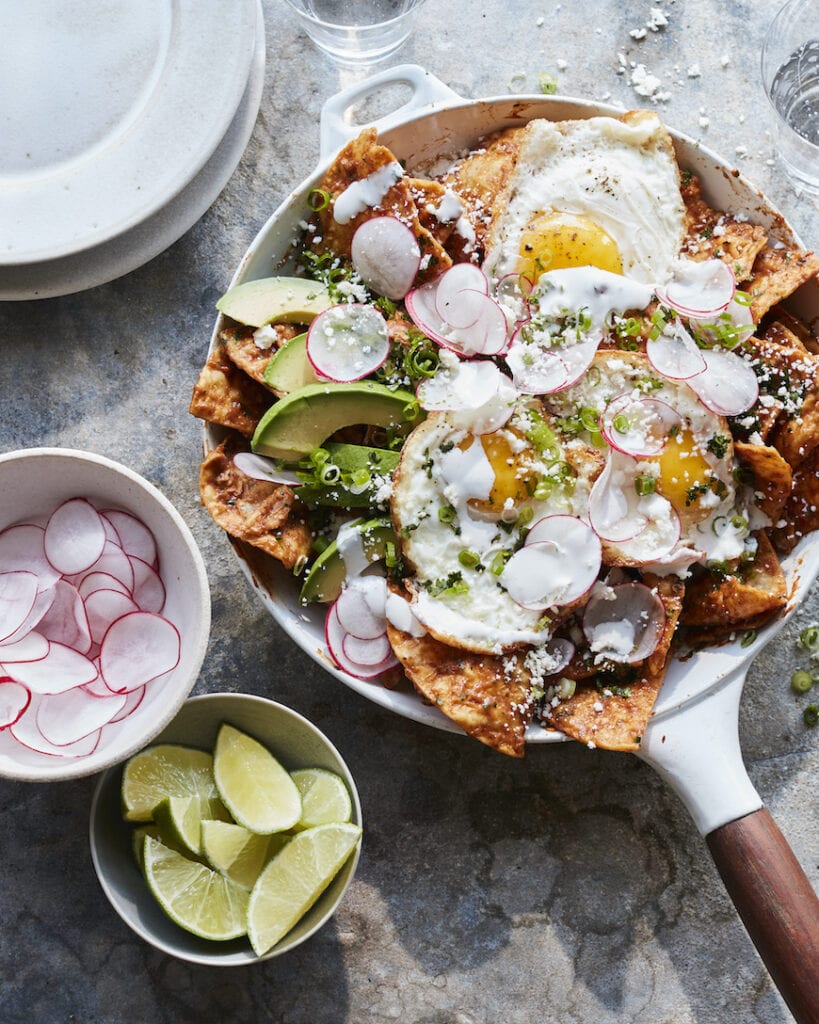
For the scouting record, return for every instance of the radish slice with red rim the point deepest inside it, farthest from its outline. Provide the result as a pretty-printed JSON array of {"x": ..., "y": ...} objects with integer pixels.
[
  {"x": 74, "y": 537},
  {"x": 149, "y": 590},
  {"x": 138, "y": 648},
  {"x": 27, "y": 733},
  {"x": 22, "y": 549},
  {"x": 456, "y": 294},
  {"x": 638, "y": 426},
  {"x": 134, "y": 536},
  {"x": 18, "y": 592},
  {"x": 66, "y": 718},
  {"x": 361, "y": 607},
  {"x": 348, "y": 342},
  {"x": 101, "y": 581},
  {"x": 699, "y": 288},
  {"x": 624, "y": 623},
  {"x": 335, "y": 634},
  {"x": 613, "y": 501},
  {"x": 386, "y": 256},
  {"x": 675, "y": 355},
  {"x": 366, "y": 652},
  {"x": 556, "y": 655},
  {"x": 728, "y": 386},
  {"x": 61, "y": 669},
  {"x": 104, "y": 607},
  {"x": 32, "y": 647},
  {"x": 555, "y": 569},
  {"x": 260, "y": 468},
  {"x": 42, "y": 602},
  {"x": 66, "y": 621},
  {"x": 113, "y": 561},
  {"x": 14, "y": 699},
  {"x": 132, "y": 701}
]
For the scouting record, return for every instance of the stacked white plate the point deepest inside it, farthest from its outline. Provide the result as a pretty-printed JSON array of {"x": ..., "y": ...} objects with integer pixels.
[{"x": 121, "y": 123}]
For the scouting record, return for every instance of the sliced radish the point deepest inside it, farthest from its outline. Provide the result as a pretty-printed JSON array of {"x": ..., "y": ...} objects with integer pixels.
[
  {"x": 478, "y": 324},
  {"x": 624, "y": 623},
  {"x": 260, "y": 468},
  {"x": 137, "y": 648},
  {"x": 42, "y": 602},
  {"x": 348, "y": 342},
  {"x": 61, "y": 669},
  {"x": 104, "y": 607},
  {"x": 133, "y": 698},
  {"x": 97, "y": 687},
  {"x": 133, "y": 535},
  {"x": 557, "y": 567},
  {"x": 728, "y": 386},
  {"x": 65, "y": 718},
  {"x": 101, "y": 581},
  {"x": 386, "y": 255},
  {"x": 366, "y": 652},
  {"x": 334, "y": 634},
  {"x": 149, "y": 590},
  {"x": 735, "y": 315},
  {"x": 457, "y": 294},
  {"x": 113, "y": 561},
  {"x": 361, "y": 605},
  {"x": 638, "y": 426},
  {"x": 18, "y": 591},
  {"x": 21, "y": 548},
  {"x": 32, "y": 647},
  {"x": 74, "y": 537},
  {"x": 26, "y": 731},
  {"x": 14, "y": 699},
  {"x": 66, "y": 621},
  {"x": 699, "y": 288},
  {"x": 675, "y": 355},
  {"x": 557, "y": 654},
  {"x": 613, "y": 502}
]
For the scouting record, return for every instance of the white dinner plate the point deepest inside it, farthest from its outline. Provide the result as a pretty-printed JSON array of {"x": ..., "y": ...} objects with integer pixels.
[
  {"x": 121, "y": 255},
  {"x": 109, "y": 109}
]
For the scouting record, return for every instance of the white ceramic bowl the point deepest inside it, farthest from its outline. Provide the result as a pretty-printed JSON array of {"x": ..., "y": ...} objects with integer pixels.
[
  {"x": 296, "y": 743},
  {"x": 32, "y": 483}
]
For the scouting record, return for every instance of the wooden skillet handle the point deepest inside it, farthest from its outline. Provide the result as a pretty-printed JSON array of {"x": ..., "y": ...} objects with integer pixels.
[{"x": 776, "y": 903}]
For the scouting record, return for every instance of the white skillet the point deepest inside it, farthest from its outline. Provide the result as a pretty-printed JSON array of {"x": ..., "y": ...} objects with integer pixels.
[{"x": 692, "y": 739}]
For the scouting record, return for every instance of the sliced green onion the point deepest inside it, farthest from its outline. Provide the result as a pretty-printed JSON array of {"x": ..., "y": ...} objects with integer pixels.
[
  {"x": 319, "y": 199},
  {"x": 526, "y": 515},
  {"x": 329, "y": 473},
  {"x": 749, "y": 638},
  {"x": 810, "y": 716},
  {"x": 743, "y": 298},
  {"x": 446, "y": 514},
  {"x": 299, "y": 564},
  {"x": 645, "y": 485},
  {"x": 590, "y": 418},
  {"x": 809, "y": 638},
  {"x": 469, "y": 559},
  {"x": 498, "y": 563},
  {"x": 801, "y": 681},
  {"x": 621, "y": 423},
  {"x": 547, "y": 83}
]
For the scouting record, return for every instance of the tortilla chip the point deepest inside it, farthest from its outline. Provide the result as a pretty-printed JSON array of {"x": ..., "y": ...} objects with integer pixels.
[
  {"x": 801, "y": 513},
  {"x": 777, "y": 273},
  {"x": 772, "y": 476},
  {"x": 427, "y": 196},
  {"x": 725, "y": 604},
  {"x": 481, "y": 178},
  {"x": 359, "y": 159},
  {"x": 488, "y": 696},
  {"x": 714, "y": 235},
  {"x": 226, "y": 396},
  {"x": 263, "y": 514},
  {"x": 243, "y": 351}
]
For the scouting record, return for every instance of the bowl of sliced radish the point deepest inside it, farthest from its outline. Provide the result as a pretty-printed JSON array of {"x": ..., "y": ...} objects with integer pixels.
[{"x": 104, "y": 613}]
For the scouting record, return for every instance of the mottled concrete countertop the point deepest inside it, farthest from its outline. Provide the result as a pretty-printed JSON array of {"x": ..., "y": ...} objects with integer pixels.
[{"x": 569, "y": 887}]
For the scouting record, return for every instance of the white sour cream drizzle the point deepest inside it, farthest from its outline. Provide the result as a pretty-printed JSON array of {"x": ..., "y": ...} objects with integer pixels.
[{"x": 366, "y": 193}]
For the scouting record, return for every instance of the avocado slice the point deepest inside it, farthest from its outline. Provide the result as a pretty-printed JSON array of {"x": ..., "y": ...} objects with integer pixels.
[
  {"x": 351, "y": 459},
  {"x": 328, "y": 572},
  {"x": 289, "y": 369},
  {"x": 298, "y": 423},
  {"x": 267, "y": 300}
]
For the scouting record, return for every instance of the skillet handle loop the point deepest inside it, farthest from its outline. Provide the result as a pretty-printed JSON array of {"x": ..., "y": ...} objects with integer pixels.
[
  {"x": 777, "y": 904},
  {"x": 427, "y": 91}
]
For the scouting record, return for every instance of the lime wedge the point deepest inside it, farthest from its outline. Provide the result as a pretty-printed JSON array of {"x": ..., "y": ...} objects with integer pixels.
[
  {"x": 199, "y": 900},
  {"x": 138, "y": 841},
  {"x": 325, "y": 799},
  {"x": 179, "y": 819},
  {"x": 163, "y": 771},
  {"x": 254, "y": 787},
  {"x": 293, "y": 881},
  {"x": 239, "y": 854}
]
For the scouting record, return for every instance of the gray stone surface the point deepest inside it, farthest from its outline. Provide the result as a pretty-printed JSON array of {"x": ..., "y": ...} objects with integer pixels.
[{"x": 569, "y": 887}]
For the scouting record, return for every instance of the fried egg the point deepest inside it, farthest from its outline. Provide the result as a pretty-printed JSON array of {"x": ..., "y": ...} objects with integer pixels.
[
  {"x": 686, "y": 492},
  {"x": 461, "y": 503},
  {"x": 601, "y": 192}
]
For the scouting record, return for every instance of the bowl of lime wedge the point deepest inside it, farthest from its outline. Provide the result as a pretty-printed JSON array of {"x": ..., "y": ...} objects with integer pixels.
[{"x": 233, "y": 837}]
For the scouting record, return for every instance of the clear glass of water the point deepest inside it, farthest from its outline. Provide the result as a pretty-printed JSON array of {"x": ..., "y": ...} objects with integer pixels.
[
  {"x": 357, "y": 32},
  {"x": 790, "y": 75}
]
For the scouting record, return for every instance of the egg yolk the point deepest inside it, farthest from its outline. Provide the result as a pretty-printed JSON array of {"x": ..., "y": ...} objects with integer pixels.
[
  {"x": 515, "y": 479},
  {"x": 552, "y": 241},
  {"x": 684, "y": 473}
]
